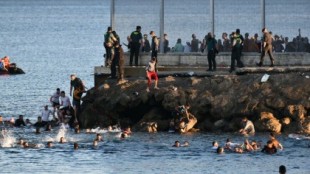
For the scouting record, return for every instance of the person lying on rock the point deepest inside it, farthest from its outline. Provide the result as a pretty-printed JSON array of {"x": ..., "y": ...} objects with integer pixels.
[{"x": 248, "y": 127}]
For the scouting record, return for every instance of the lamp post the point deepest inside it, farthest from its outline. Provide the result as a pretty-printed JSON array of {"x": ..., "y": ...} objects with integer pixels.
[{"x": 162, "y": 25}]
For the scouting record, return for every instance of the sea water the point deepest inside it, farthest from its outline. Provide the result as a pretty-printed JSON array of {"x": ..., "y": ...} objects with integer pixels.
[{"x": 50, "y": 40}]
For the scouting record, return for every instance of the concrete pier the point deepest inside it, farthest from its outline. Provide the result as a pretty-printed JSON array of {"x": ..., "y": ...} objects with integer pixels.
[{"x": 197, "y": 63}]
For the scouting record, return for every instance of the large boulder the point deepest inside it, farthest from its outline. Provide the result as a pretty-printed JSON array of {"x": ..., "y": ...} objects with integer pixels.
[
  {"x": 306, "y": 125},
  {"x": 267, "y": 122},
  {"x": 296, "y": 112}
]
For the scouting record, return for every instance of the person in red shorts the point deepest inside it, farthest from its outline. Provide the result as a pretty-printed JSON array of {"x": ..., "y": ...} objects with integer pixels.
[{"x": 151, "y": 74}]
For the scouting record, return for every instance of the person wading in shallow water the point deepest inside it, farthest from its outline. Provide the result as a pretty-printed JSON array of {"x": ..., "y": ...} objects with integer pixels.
[{"x": 78, "y": 89}]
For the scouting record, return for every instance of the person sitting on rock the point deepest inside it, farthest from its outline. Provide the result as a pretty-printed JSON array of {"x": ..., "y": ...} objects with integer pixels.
[
  {"x": 187, "y": 120},
  {"x": 2, "y": 67},
  {"x": 275, "y": 142},
  {"x": 248, "y": 128}
]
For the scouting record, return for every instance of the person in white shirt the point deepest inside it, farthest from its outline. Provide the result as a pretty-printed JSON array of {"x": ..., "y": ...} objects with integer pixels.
[
  {"x": 54, "y": 99},
  {"x": 45, "y": 114},
  {"x": 65, "y": 106},
  {"x": 248, "y": 127}
]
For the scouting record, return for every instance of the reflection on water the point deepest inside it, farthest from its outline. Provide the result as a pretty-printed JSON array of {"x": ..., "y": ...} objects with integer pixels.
[{"x": 144, "y": 153}]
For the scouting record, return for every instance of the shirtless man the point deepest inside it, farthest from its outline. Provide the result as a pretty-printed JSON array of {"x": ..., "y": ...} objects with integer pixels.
[
  {"x": 267, "y": 48},
  {"x": 275, "y": 142},
  {"x": 151, "y": 74}
]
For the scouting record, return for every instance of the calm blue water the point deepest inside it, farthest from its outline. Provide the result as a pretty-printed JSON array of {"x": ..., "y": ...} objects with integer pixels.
[{"x": 52, "y": 39}]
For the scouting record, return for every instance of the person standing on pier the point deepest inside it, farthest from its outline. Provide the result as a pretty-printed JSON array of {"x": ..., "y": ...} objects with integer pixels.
[
  {"x": 109, "y": 40},
  {"x": 267, "y": 48},
  {"x": 154, "y": 47},
  {"x": 135, "y": 44},
  {"x": 240, "y": 38},
  {"x": 236, "y": 42},
  {"x": 212, "y": 51}
]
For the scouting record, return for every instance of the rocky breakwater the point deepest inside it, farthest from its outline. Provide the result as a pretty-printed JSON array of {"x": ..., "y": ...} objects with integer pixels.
[{"x": 282, "y": 104}]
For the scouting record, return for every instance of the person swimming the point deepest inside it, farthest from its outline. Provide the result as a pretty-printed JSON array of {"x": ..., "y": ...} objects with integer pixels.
[
  {"x": 176, "y": 144},
  {"x": 62, "y": 140},
  {"x": 99, "y": 137},
  {"x": 220, "y": 150},
  {"x": 246, "y": 146},
  {"x": 215, "y": 145},
  {"x": 230, "y": 145},
  {"x": 185, "y": 144},
  {"x": 95, "y": 143},
  {"x": 275, "y": 142},
  {"x": 75, "y": 146},
  {"x": 269, "y": 148},
  {"x": 49, "y": 144}
]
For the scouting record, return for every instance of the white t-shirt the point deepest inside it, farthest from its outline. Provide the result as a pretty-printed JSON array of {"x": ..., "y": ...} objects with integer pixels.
[
  {"x": 55, "y": 97},
  {"x": 65, "y": 101},
  {"x": 45, "y": 114}
]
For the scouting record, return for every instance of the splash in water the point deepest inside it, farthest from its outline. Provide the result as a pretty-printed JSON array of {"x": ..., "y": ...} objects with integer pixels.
[
  {"x": 61, "y": 132},
  {"x": 7, "y": 139}
]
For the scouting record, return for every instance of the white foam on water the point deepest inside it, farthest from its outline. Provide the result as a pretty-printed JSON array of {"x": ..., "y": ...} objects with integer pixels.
[
  {"x": 61, "y": 133},
  {"x": 7, "y": 140}
]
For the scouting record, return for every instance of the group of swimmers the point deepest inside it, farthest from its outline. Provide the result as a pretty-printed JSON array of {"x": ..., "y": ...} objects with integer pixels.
[
  {"x": 23, "y": 143},
  {"x": 271, "y": 146}
]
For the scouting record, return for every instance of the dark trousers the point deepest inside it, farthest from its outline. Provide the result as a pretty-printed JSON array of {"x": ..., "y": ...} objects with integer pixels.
[
  {"x": 211, "y": 60},
  {"x": 134, "y": 51},
  {"x": 267, "y": 49},
  {"x": 108, "y": 51},
  {"x": 154, "y": 54},
  {"x": 113, "y": 67},
  {"x": 236, "y": 56}
]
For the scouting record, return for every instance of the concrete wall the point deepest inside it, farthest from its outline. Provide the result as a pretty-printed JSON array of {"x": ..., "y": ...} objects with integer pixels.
[{"x": 223, "y": 59}]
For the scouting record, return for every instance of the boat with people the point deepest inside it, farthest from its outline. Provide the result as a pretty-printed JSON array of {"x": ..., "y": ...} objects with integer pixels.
[{"x": 7, "y": 68}]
